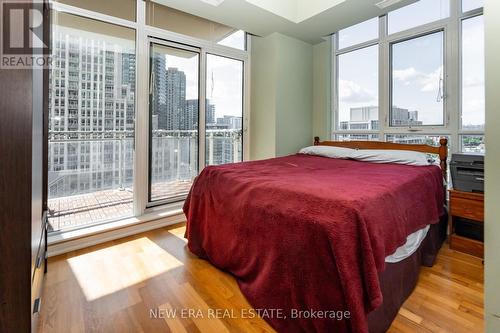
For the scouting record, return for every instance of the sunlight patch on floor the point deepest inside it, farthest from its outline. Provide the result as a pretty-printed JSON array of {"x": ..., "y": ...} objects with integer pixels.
[
  {"x": 179, "y": 233},
  {"x": 106, "y": 271}
]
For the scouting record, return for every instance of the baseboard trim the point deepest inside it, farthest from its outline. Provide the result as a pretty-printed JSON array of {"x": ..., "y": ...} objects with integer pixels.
[{"x": 61, "y": 247}]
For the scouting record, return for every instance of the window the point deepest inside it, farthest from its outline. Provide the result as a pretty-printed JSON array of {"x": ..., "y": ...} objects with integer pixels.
[
  {"x": 417, "y": 81},
  {"x": 224, "y": 110},
  {"x": 473, "y": 109},
  {"x": 353, "y": 137},
  {"x": 471, "y": 4},
  {"x": 431, "y": 140},
  {"x": 359, "y": 33},
  {"x": 124, "y": 9},
  {"x": 103, "y": 164},
  {"x": 418, "y": 13},
  {"x": 174, "y": 103},
  {"x": 174, "y": 20},
  {"x": 358, "y": 89},
  {"x": 472, "y": 144},
  {"x": 91, "y": 139},
  {"x": 420, "y": 80},
  {"x": 235, "y": 39}
]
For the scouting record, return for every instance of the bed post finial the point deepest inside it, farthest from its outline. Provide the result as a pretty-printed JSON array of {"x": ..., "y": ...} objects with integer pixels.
[
  {"x": 443, "y": 156},
  {"x": 316, "y": 140}
]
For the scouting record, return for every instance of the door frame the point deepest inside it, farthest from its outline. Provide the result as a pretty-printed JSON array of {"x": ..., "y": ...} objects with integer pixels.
[{"x": 201, "y": 96}]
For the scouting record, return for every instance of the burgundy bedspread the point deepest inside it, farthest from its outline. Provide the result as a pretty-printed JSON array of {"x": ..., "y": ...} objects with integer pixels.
[{"x": 309, "y": 233}]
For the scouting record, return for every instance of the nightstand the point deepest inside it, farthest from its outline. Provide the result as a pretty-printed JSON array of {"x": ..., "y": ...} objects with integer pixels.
[{"x": 467, "y": 222}]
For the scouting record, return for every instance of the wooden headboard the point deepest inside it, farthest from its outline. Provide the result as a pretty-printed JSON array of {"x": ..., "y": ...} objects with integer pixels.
[{"x": 442, "y": 150}]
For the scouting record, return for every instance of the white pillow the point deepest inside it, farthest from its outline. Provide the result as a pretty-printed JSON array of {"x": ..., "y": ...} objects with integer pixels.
[
  {"x": 328, "y": 151},
  {"x": 391, "y": 156}
]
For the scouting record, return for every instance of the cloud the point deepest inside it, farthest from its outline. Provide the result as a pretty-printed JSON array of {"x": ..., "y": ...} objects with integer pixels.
[
  {"x": 426, "y": 82},
  {"x": 430, "y": 82},
  {"x": 405, "y": 74},
  {"x": 352, "y": 92}
]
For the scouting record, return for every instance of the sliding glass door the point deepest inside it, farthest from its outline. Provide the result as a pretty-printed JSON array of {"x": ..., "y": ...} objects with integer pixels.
[
  {"x": 141, "y": 99},
  {"x": 173, "y": 120}
]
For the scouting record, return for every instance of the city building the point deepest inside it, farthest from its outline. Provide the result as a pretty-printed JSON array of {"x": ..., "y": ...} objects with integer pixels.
[
  {"x": 175, "y": 86},
  {"x": 230, "y": 122},
  {"x": 159, "y": 90},
  {"x": 190, "y": 115},
  {"x": 92, "y": 115},
  {"x": 366, "y": 118},
  {"x": 362, "y": 118},
  {"x": 404, "y": 118}
]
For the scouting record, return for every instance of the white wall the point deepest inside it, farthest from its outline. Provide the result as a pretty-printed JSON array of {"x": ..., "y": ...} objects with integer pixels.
[
  {"x": 262, "y": 99},
  {"x": 294, "y": 86},
  {"x": 492, "y": 222},
  {"x": 281, "y": 97}
]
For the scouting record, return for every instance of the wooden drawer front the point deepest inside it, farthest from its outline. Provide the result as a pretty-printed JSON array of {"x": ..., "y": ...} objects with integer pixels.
[
  {"x": 466, "y": 245},
  {"x": 470, "y": 209}
]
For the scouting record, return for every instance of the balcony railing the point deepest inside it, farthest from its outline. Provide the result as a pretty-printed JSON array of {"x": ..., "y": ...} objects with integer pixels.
[{"x": 91, "y": 173}]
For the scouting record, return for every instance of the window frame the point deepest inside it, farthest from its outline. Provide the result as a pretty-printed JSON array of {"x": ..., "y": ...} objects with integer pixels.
[
  {"x": 357, "y": 45},
  {"x": 143, "y": 210},
  {"x": 180, "y": 197},
  {"x": 420, "y": 27},
  {"x": 452, "y": 79},
  {"x": 244, "y": 137},
  {"x": 145, "y": 34},
  {"x": 405, "y": 39}
]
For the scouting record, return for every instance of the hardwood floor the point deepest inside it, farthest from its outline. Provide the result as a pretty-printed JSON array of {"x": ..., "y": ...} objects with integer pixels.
[{"x": 120, "y": 285}]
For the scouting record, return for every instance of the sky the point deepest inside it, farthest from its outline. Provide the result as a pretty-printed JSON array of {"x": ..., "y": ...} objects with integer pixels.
[
  {"x": 417, "y": 67},
  {"x": 236, "y": 40},
  {"x": 418, "y": 13},
  {"x": 359, "y": 33},
  {"x": 473, "y": 71},
  {"x": 225, "y": 85},
  {"x": 358, "y": 80},
  {"x": 417, "y": 71}
]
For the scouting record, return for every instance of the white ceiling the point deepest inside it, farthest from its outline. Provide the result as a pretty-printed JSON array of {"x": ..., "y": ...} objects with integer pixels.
[
  {"x": 295, "y": 10},
  {"x": 308, "y": 20}
]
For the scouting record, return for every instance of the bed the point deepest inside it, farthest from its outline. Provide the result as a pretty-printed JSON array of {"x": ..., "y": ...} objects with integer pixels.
[{"x": 307, "y": 237}]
